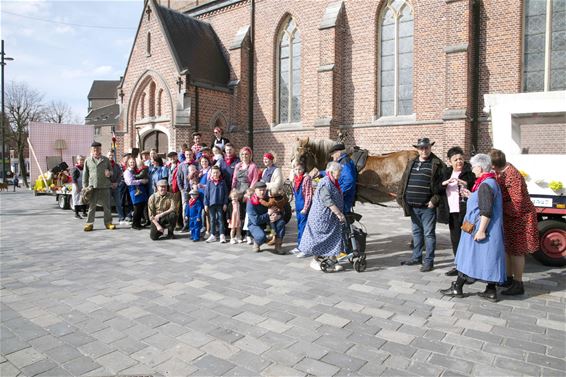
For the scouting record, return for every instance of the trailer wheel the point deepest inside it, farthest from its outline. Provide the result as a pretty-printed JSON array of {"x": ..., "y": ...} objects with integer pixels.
[
  {"x": 63, "y": 201},
  {"x": 552, "y": 250}
]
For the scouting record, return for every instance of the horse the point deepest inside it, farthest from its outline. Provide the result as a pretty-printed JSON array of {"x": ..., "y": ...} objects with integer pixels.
[{"x": 378, "y": 180}]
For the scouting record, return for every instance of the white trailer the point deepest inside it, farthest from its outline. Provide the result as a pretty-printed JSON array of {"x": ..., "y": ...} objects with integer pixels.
[{"x": 530, "y": 128}]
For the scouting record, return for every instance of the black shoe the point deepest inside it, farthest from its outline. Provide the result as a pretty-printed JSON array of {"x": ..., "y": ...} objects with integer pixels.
[
  {"x": 411, "y": 262},
  {"x": 170, "y": 236},
  {"x": 452, "y": 272},
  {"x": 507, "y": 283},
  {"x": 515, "y": 289},
  {"x": 137, "y": 227},
  {"x": 77, "y": 216},
  {"x": 453, "y": 291},
  {"x": 488, "y": 294},
  {"x": 427, "y": 268}
]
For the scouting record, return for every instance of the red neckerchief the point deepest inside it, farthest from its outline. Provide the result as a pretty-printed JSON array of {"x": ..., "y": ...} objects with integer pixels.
[
  {"x": 254, "y": 199},
  {"x": 298, "y": 180},
  {"x": 80, "y": 167},
  {"x": 229, "y": 160},
  {"x": 124, "y": 167},
  {"x": 215, "y": 181},
  {"x": 112, "y": 162},
  {"x": 480, "y": 180},
  {"x": 192, "y": 201},
  {"x": 334, "y": 181}
]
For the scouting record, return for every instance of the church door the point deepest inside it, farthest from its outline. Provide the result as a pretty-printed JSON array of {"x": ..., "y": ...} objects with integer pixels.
[{"x": 157, "y": 140}]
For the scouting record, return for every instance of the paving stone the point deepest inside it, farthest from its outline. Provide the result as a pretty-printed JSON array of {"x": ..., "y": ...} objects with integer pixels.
[
  {"x": 317, "y": 368},
  {"x": 395, "y": 336},
  {"x": 220, "y": 349},
  {"x": 483, "y": 336},
  {"x": 24, "y": 357},
  {"x": 526, "y": 346},
  {"x": 55, "y": 372},
  {"x": 213, "y": 366},
  {"x": 116, "y": 361},
  {"x": 432, "y": 345},
  {"x": 283, "y": 356},
  {"x": 517, "y": 366},
  {"x": 80, "y": 366},
  {"x": 276, "y": 370},
  {"x": 38, "y": 367},
  {"x": 9, "y": 345},
  {"x": 345, "y": 362},
  {"x": 250, "y": 361},
  {"x": 95, "y": 349},
  {"x": 548, "y": 362},
  {"x": 128, "y": 345},
  {"x": 451, "y": 363},
  {"x": 7, "y": 369},
  {"x": 399, "y": 349},
  {"x": 77, "y": 339},
  {"x": 184, "y": 352},
  {"x": 63, "y": 353}
]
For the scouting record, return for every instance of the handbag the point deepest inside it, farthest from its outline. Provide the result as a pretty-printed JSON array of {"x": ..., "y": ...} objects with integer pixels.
[{"x": 468, "y": 227}]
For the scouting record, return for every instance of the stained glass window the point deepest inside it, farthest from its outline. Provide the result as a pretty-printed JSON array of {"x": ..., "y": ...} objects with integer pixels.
[
  {"x": 290, "y": 74},
  {"x": 396, "y": 59}
]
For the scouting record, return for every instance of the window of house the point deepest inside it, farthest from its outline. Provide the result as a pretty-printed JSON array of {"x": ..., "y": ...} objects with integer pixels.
[
  {"x": 142, "y": 106},
  {"x": 289, "y": 74},
  {"x": 544, "y": 61},
  {"x": 396, "y": 59},
  {"x": 97, "y": 131}
]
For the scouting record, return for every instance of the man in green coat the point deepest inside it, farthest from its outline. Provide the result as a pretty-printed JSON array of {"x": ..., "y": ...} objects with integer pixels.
[{"x": 96, "y": 175}]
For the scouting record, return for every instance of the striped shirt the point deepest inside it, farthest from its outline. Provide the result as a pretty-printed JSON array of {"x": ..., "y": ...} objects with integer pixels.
[{"x": 418, "y": 191}]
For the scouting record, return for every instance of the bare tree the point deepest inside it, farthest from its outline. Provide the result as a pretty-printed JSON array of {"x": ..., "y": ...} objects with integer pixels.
[
  {"x": 59, "y": 112},
  {"x": 24, "y": 105}
]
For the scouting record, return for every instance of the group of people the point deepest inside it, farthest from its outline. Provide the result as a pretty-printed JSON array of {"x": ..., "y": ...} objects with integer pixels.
[
  {"x": 212, "y": 192},
  {"x": 492, "y": 221}
]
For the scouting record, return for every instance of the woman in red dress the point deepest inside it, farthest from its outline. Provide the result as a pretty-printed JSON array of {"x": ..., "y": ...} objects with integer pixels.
[{"x": 519, "y": 221}]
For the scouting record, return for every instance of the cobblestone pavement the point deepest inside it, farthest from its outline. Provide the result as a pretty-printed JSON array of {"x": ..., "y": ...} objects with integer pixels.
[{"x": 115, "y": 303}]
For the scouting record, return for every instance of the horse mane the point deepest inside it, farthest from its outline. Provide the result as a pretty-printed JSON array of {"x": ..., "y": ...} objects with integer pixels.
[{"x": 321, "y": 149}]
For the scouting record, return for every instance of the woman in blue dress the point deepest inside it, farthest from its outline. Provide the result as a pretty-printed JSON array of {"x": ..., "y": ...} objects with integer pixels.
[
  {"x": 302, "y": 191},
  {"x": 481, "y": 253},
  {"x": 323, "y": 234}
]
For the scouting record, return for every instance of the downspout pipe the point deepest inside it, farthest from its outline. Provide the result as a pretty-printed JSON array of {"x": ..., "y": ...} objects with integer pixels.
[
  {"x": 251, "y": 76},
  {"x": 476, "y": 22},
  {"x": 196, "y": 109}
]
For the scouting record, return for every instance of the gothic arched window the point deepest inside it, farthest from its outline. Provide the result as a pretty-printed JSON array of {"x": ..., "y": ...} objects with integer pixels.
[
  {"x": 544, "y": 60},
  {"x": 396, "y": 59},
  {"x": 289, "y": 73}
]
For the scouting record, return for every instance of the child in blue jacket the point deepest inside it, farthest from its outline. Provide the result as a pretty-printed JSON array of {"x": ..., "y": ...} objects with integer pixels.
[
  {"x": 193, "y": 214},
  {"x": 216, "y": 203}
]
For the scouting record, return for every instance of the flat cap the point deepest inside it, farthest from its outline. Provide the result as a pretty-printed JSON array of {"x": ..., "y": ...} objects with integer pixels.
[
  {"x": 337, "y": 147},
  {"x": 260, "y": 184},
  {"x": 162, "y": 182},
  {"x": 95, "y": 144}
]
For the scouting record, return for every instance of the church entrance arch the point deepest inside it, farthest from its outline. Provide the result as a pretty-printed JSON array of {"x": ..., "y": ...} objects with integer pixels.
[{"x": 157, "y": 140}]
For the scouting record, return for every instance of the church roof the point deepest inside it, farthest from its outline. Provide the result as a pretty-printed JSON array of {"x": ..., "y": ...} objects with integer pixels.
[
  {"x": 103, "y": 89},
  {"x": 104, "y": 116},
  {"x": 196, "y": 48}
]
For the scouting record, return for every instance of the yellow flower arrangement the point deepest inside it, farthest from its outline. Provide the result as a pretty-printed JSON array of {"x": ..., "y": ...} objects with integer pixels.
[
  {"x": 555, "y": 185},
  {"x": 524, "y": 174}
]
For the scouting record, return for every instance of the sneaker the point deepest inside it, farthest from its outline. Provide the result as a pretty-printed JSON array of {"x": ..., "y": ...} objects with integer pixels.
[
  {"x": 222, "y": 238},
  {"x": 129, "y": 220},
  {"x": 295, "y": 251},
  {"x": 249, "y": 240},
  {"x": 211, "y": 239},
  {"x": 256, "y": 248},
  {"x": 206, "y": 235},
  {"x": 300, "y": 254},
  {"x": 240, "y": 240},
  {"x": 88, "y": 227},
  {"x": 315, "y": 265},
  {"x": 233, "y": 241},
  {"x": 122, "y": 222}
]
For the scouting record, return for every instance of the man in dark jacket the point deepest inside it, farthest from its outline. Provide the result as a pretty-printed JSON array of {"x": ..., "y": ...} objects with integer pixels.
[
  {"x": 420, "y": 196},
  {"x": 96, "y": 174}
]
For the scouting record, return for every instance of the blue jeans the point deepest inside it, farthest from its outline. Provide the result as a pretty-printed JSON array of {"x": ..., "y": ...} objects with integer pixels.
[
  {"x": 117, "y": 200},
  {"x": 216, "y": 218},
  {"x": 424, "y": 234}
]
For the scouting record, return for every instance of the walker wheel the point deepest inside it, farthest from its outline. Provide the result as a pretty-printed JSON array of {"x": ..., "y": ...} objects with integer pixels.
[
  {"x": 360, "y": 265},
  {"x": 325, "y": 265}
]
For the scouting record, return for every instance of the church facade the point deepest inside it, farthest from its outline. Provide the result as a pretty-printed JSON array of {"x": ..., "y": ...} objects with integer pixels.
[{"x": 379, "y": 74}]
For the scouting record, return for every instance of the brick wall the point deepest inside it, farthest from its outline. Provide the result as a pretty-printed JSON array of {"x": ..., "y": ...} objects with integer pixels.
[{"x": 442, "y": 75}]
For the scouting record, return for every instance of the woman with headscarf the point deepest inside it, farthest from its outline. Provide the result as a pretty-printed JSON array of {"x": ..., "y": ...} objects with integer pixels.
[
  {"x": 481, "y": 254},
  {"x": 323, "y": 235}
]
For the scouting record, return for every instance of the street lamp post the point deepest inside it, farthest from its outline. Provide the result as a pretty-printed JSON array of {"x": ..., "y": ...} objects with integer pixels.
[{"x": 4, "y": 58}]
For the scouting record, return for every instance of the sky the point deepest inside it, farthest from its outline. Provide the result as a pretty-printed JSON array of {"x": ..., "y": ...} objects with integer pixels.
[{"x": 60, "y": 47}]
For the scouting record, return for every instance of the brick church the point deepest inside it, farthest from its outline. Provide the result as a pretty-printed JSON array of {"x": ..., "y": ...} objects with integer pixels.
[{"x": 381, "y": 73}]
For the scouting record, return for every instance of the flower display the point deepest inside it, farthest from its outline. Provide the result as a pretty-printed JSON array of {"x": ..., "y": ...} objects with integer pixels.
[{"x": 555, "y": 185}]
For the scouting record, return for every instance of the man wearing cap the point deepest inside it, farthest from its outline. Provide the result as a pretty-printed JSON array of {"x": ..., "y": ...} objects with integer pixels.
[
  {"x": 96, "y": 174},
  {"x": 161, "y": 208},
  {"x": 348, "y": 176},
  {"x": 419, "y": 193},
  {"x": 259, "y": 216}
]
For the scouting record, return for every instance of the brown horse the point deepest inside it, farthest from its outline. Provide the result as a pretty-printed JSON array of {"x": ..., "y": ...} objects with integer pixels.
[{"x": 378, "y": 181}]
